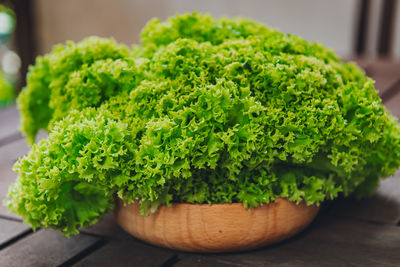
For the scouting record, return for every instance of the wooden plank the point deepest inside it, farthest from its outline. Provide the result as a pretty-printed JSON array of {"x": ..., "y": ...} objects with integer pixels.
[
  {"x": 204, "y": 260},
  {"x": 109, "y": 228},
  {"x": 122, "y": 249},
  {"x": 9, "y": 121},
  {"x": 45, "y": 248},
  {"x": 393, "y": 104},
  {"x": 10, "y": 230},
  {"x": 268, "y": 257},
  {"x": 382, "y": 207},
  {"x": 329, "y": 241},
  {"x": 11, "y": 152},
  {"x": 384, "y": 83},
  {"x": 351, "y": 241},
  {"x": 385, "y": 73},
  {"x": 7, "y": 177},
  {"x": 127, "y": 253}
]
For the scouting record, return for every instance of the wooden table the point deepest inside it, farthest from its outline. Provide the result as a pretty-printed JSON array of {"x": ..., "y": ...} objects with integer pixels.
[{"x": 346, "y": 232}]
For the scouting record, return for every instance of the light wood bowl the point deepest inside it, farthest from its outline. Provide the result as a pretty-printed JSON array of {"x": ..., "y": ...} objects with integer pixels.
[{"x": 218, "y": 227}]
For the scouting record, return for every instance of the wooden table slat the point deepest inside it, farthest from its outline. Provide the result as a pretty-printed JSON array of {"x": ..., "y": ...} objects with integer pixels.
[
  {"x": 9, "y": 121},
  {"x": 11, "y": 152},
  {"x": 9, "y": 230},
  {"x": 107, "y": 227},
  {"x": 383, "y": 207},
  {"x": 127, "y": 253},
  {"x": 122, "y": 249},
  {"x": 385, "y": 73},
  {"x": 204, "y": 260},
  {"x": 7, "y": 177},
  {"x": 45, "y": 248},
  {"x": 393, "y": 104},
  {"x": 329, "y": 242}
]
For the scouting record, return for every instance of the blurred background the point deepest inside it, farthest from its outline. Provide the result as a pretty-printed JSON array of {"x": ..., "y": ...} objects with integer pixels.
[{"x": 353, "y": 28}]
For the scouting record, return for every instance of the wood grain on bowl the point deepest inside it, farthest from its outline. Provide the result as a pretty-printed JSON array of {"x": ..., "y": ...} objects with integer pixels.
[{"x": 217, "y": 227}]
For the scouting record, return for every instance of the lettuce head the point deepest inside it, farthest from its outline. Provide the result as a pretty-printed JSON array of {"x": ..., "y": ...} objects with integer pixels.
[{"x": 203, "y": 111}]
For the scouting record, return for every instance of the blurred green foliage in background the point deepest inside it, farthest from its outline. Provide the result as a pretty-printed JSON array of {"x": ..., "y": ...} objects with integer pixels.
[
  {"x": 7, "y": 26},
  {"x": 6, "y": 90}
]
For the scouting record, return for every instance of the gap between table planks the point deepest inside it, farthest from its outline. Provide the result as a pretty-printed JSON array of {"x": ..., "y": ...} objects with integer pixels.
[{"x": 346, "y": 231}]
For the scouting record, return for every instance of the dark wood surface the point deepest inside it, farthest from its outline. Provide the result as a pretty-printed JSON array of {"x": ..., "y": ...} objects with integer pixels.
[{"x": 347, "y": 232}]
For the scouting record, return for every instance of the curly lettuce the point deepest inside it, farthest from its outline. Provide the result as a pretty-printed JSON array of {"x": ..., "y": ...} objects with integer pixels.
[
  {"x": 204, "y": 111},
  {"x": 73, "y": 76}
]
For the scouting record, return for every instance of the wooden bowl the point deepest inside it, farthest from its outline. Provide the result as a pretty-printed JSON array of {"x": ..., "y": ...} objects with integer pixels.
[{"x": 218, "y": 227}]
